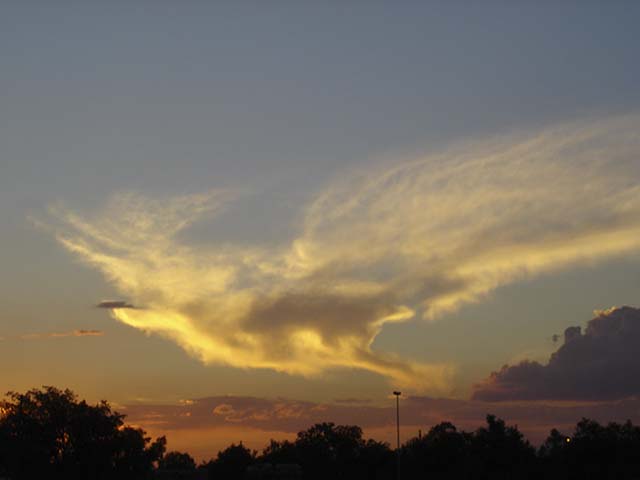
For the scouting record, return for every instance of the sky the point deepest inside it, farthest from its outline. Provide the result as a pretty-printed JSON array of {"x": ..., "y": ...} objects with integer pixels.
[{"x": 234, "y": 219}]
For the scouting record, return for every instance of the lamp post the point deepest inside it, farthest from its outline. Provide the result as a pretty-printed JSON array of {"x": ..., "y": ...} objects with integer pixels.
[{"x": 397, "y": 394}]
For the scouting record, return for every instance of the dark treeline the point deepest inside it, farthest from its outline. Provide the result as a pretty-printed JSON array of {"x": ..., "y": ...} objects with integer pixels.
[{"x": 49, "y": 434}]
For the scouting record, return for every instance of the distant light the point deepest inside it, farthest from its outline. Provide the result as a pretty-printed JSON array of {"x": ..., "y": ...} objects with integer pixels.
[{"x": 568, "y": 439}]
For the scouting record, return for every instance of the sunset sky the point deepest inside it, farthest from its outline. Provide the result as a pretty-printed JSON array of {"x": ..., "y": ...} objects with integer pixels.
[{"x": 234, "y": 219}]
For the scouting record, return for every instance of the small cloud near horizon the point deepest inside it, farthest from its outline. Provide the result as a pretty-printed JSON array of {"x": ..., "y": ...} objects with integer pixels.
[{"x": 115, "y": 304}]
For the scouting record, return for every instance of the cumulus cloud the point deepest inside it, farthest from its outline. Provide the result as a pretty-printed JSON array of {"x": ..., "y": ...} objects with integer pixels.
[
  {"x": 602, "y": 363},
  {"x": 417, "y": 239},
  {"x": 113, "y": 304}
]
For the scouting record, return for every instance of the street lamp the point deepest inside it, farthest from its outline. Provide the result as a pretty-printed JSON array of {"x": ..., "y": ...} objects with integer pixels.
[{"x": 397, "y": 394}]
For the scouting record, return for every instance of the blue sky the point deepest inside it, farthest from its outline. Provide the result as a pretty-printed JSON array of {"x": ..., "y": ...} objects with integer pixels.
[{"x": 278, "y": 107}]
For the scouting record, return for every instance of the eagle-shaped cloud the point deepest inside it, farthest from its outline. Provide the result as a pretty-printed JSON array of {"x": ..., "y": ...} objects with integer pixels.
[{"x": 415, "y": 239}]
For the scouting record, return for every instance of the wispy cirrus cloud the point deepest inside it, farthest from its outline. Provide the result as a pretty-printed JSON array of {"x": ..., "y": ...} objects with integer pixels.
[
  {"x": 417, "y": 239},
  {"x": 45, "y": 335}
]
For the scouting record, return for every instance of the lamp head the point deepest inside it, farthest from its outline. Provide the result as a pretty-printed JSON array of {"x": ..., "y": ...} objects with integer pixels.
[{"x": 397, "y": 394}]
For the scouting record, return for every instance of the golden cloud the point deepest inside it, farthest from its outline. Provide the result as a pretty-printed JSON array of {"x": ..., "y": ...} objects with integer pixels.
[{"x": 376, "y": 247}]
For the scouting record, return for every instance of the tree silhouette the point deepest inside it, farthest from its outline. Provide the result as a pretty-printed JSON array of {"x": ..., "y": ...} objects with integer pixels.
[
  {"x": 377, "y": 461},
  {"x": 280, "y": 452},
  {"x": 231, "y": 463},
  {"x": 496, "y": 451},
  {"x": 326, "y": 450},
  {"x": 442, "y": 453},
  {"x": 501, "y": 452},
  {"x": 48, "y": 433},
  {"x": 177, "y": 461},
  {"x": 594, "y": 451}
]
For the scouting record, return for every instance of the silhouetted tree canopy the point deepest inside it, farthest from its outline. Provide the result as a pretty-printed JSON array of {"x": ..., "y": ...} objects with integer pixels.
[
  {"x": 177, "y": 461},
  {"x": 231, "y": 463},
  {"x": 496, "y": 451},
  {"x": 326, "y": 450},
  {"x": 443, "y": 452},
  {"x": 48, "y": 433},
  {"x": 593, "y": 452},
  {"x": 280, "y": 452},
  {"x": 501, "y": 451}
]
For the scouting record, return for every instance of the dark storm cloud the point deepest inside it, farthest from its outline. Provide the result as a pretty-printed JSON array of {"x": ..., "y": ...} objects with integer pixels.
[
  {"x": 601, "y": 364},
  {"x": 114, "y": 304}
]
